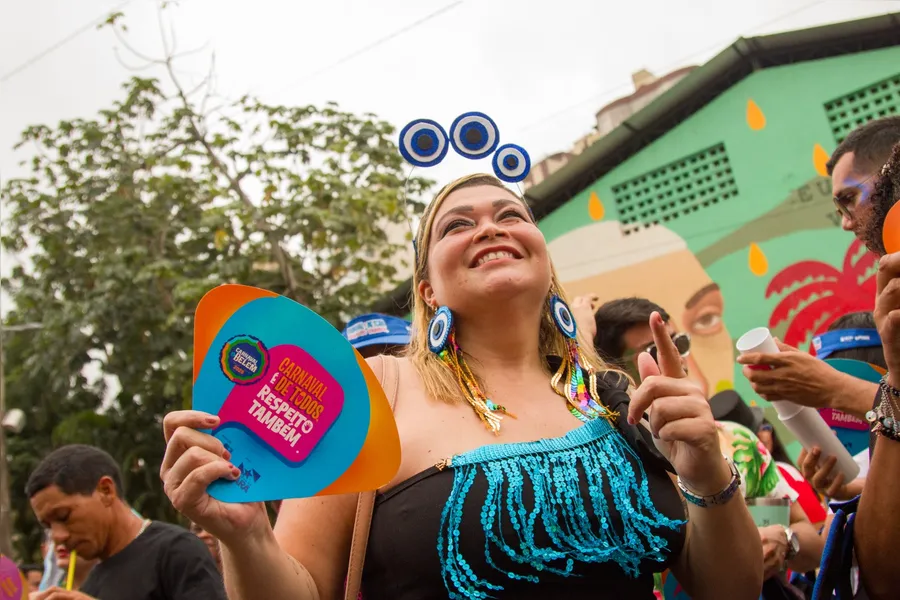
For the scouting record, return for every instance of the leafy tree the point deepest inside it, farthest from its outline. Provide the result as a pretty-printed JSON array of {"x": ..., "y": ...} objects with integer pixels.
[{"x": 127, "y": 219}]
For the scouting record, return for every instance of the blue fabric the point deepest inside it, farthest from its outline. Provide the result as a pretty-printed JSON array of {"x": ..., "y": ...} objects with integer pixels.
[
  {"x": 52, "y": 573},
  {"x": 845, "y": 339},
  {"x": 374, "y": 328},
  {"x": 833, "y": 581}
]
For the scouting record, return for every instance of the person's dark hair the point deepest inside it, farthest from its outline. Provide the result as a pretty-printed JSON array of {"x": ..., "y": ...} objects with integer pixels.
[
  {"x": 74, "y": 469},
  {"x": 858, "y": 320},
  {"x": 29, "y": 567},
  {"x": 779, "y": 454},
  {"x": 616, "y": 317},
  {"x": 885, "y": 194},
  {"x": 870, "y": 144}
]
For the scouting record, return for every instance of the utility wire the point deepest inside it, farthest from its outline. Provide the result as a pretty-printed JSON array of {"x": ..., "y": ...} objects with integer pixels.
[
  {"x": 672, "y": 65},
  {"x": 50, "y": 49},
  {"x": 373, "y": 45}
]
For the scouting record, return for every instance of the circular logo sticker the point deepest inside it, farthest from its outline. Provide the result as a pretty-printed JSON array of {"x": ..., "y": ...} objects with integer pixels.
[{"x": 244, "y": 359}]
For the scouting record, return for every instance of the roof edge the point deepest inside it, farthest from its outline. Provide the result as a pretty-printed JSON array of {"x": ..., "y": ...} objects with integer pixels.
[{"x": 688, "y": 96}]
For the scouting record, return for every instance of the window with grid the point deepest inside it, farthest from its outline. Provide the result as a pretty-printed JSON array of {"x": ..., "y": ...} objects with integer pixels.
[
  {"x": 675, "y": 190},
  {"x": 880, "y": 99}
]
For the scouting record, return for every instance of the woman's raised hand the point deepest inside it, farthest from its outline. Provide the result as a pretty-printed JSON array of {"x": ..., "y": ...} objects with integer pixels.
[
  {"x": 193, "y": 460},
  {"x": 680, "y": 416}
]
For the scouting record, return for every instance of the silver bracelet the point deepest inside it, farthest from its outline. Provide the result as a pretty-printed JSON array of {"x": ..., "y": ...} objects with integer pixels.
[{"x": 722, "y": 497}]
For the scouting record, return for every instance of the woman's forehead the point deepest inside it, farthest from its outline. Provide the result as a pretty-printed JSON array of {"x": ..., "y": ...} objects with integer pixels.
[{"x": 475, "y": 198}]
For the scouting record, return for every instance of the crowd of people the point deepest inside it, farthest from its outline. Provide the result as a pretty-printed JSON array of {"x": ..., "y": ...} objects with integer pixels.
[{"x": 549, "y": 449}]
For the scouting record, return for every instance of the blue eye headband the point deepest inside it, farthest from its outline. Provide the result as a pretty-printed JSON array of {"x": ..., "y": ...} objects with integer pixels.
[
  {"x": 845, "y": 339},
  {"x": 473, "y": 135}
]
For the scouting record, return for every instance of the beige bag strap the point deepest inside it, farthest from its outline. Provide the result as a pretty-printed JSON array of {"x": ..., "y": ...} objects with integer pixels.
[{"x": 390, "y": 382}]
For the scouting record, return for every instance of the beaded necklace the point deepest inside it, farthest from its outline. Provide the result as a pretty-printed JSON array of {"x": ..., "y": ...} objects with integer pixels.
[{"x": 579, "y": 390}]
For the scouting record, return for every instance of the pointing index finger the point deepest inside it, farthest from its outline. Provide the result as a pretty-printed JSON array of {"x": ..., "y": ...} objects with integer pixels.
[{"x": 667, "y": 355}]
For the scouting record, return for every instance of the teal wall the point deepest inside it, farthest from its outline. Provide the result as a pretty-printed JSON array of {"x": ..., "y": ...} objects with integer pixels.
[
  {"x": 783, "y": 205},
  {"x": 767, "y": 163}
]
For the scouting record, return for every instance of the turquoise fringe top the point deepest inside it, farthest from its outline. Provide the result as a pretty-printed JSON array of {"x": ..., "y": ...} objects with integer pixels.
[{"x": 581, "y": 528}]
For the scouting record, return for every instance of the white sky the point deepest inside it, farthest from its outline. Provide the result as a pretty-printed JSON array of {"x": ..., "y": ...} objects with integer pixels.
[{"x": 541, "y": 69}]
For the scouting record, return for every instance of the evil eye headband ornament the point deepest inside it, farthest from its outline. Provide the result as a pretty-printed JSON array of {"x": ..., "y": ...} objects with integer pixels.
[
  {"x": 423, "y": 143},
  {"x": 473, "y": 135}
]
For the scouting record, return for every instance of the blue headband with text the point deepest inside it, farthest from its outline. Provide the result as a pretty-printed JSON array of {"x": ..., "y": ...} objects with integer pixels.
[{"x": 844, "y": 339}]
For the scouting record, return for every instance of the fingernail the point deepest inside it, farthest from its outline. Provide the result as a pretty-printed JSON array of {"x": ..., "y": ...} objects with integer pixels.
[
  {"x": 227, "y": 455},
  {"x": 630, "y": 420},
  {"x": 235, "y": 472},
  {"x": 655, "y": 435},
  {"x": 211, "y": 420}
]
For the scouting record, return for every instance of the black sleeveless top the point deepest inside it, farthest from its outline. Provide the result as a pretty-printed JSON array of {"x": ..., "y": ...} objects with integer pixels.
[{"x": 408, "y": 548}]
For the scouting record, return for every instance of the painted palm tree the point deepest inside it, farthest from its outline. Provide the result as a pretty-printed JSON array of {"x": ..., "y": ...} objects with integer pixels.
[{"x": 817, "y": 293}]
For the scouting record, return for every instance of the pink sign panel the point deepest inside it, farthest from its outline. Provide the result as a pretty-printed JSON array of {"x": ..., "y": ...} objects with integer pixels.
[
  {"x": 12, "y": 586},
  {"x": 289, "y": 400},
  {"x": 840, "y": 419}
]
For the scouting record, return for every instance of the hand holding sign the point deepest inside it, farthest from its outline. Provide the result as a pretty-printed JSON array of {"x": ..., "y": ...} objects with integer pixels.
[
  {"x": 679, "y": 415},
  {"x": 284, "y": 408},
  {"x": 192, "y": 462}
]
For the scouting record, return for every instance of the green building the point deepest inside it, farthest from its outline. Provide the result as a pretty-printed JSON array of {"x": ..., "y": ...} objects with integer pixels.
[{"x": 713, "y": 200}]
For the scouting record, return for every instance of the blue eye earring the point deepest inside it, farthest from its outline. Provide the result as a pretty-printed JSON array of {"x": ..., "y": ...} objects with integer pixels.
[{"x": 439, "y": 330}]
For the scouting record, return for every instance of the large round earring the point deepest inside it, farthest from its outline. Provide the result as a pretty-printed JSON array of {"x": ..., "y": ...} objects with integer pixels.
[
  {"x": 439, "y": 329},
  {"x": 562, "y": 316}
]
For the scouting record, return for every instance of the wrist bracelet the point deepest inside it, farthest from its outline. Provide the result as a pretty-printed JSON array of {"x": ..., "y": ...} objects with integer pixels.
[
  {"x": 722, "y": 497},
  {"x": 882, "y": 419}
]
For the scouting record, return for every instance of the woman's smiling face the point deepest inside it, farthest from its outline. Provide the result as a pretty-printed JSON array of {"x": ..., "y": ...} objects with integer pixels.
[{"x": 484, "y": 247}]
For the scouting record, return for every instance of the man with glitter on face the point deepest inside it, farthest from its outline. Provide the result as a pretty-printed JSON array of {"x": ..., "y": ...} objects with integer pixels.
[
  {"x": 798, "y": 376},
  {"x": 877, "y": 527},
  {"x": 865, "y": 170}
]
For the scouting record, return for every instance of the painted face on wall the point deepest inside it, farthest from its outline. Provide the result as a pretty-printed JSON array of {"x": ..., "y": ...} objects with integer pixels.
[{"x": 655, "y": 264}]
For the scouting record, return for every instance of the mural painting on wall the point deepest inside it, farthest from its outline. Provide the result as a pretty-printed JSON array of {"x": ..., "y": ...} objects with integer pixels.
[
  {"x": 814, "y": 294},
  {"x": 657, "y": 263}
]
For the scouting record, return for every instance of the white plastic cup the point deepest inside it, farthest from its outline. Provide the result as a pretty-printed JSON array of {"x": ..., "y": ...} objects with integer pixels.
[{"x": 804, "y": 422}]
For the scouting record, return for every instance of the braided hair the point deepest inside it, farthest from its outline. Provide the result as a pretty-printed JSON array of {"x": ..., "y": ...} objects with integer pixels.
[{"x": 884, "y": 196}]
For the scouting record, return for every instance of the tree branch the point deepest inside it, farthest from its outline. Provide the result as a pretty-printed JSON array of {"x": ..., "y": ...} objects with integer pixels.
[{"x": 278, "y": 253}]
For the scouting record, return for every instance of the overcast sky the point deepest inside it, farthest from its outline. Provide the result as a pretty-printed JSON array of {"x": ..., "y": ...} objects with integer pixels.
[{"x": 540, "y": 68}]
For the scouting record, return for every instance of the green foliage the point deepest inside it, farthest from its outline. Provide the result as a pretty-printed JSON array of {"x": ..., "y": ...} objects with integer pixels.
[{"x": 129, "y": 218}]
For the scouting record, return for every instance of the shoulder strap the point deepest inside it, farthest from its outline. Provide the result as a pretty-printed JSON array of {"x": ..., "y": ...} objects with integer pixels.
[{"x": 390, "y": 382}]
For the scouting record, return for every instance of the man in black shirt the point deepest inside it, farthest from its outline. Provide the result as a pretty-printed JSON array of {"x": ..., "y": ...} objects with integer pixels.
[{"x": 76, "y": 493}]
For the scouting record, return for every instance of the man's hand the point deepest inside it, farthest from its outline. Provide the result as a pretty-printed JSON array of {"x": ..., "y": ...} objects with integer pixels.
[
  {"x": 774, "y": 541},
  {"x": 824, "y": 479},
  {"x": 57, "y": 593},
  {"x": 887, "y": 313},
  {"x": 804, "y": 379}
]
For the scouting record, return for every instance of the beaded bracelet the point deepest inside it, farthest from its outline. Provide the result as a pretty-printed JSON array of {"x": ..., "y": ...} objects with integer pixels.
[
  {"x": 882, "y": 419},
  {"x": 722, "y": 497}
]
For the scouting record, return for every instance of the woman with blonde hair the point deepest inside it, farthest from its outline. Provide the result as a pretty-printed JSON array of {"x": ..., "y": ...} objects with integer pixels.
[{"x": 527, "y": 470}]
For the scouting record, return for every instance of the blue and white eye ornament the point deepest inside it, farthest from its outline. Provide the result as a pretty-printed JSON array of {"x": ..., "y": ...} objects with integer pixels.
[{"x": 473, "y": 135}]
